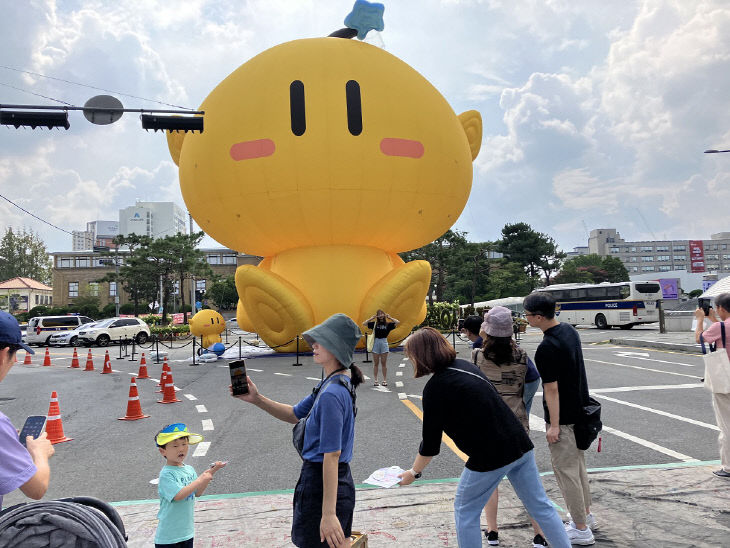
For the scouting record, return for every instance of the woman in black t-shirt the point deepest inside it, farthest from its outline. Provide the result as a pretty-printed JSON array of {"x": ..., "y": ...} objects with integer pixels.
[
  {"x": 381, "y": 326},
  {"x": 459, "y": 401}
]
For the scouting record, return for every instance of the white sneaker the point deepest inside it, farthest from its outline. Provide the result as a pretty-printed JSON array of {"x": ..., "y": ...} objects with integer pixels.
[
  {"x": 576, "y": 536},
  {"x": 590, "y": 520}
]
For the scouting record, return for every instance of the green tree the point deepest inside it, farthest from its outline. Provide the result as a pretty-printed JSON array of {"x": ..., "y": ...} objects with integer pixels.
[
  {"x": 223, "y": 292},
  {"x": 442, "y": 254},
  {"x": 694, "y": 293},
  {"x": 508, "y": 279},
  {"x": 24, "y": 254},
  {"x": 592, "y": 269},
  {"x": 534, "y": 251},
  {"x": 190, "y": 261}
]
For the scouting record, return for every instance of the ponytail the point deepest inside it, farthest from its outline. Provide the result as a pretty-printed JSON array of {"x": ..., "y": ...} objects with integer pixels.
[{"x": 356, "y": 377}]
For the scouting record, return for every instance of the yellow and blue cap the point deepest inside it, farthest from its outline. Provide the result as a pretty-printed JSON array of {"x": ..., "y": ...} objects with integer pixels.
[{"x": 174, "y": 431}]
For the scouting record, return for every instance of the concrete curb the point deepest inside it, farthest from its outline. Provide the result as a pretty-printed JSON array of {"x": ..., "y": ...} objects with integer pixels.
[{"x": 674, "y": 347}]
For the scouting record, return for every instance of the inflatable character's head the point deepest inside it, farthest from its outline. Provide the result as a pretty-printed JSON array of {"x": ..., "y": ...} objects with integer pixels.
[
  {"x": 327, "y": 141},
  {"x": 207, "y": 322}
]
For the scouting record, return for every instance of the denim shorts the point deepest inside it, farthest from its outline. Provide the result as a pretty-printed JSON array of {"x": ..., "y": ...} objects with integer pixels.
[
  {"x": 308, "y": 504},
  {"x": 380, "y": 346}
]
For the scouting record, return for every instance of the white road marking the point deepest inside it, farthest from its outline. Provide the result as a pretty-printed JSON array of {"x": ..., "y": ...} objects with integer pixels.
[
  {"x": 643, "y": 356},
  {"x": 252, "y": 369},
  {"x": 417, "y": 396},
  {"x": 366, "y": 377},
  {"x": 207, "y": 424},
  {"x": 115, "y": 371},
  {"x": 313, "y": 379},
  {"x": 644, "y": 368},
  {"x": 155, "y": 481},
  {"x": 190, "y": 397},
  {"x": 398, "y": 384},
  {"x": 402, "y": 395},
  {"x": 283, "y": 374},
  {"x": 201, "y": 408},
  {"x": 399, "y": 373},
  {"x": 402, "y": 365},
  {"x": 652, "y": 387},
  {"x": 202, "y": 449},
  {"x": 659, "y": 412},
  {"x": 537, "y": 423},
  {"x": 650, "y": 445}
]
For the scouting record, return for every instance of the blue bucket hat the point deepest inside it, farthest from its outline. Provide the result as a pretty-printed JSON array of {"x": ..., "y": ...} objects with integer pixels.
[
  {"x": 10, "y": 332},
  {"x": 338, "y": 334}
]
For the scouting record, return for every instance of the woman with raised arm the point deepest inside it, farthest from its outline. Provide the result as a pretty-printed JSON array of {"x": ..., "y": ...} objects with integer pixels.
[
  {"x": 324, "y": 498},
  {"x": 381, "y": 324}
]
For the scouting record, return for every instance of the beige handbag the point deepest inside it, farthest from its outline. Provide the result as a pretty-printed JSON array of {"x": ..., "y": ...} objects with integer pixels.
[
  {"x": 717, "y": 366},
  {"x": 370, "y": 341}
]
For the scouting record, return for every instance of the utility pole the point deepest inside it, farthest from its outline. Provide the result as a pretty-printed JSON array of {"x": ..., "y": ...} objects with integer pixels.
[{"x": 192, "y": 277}]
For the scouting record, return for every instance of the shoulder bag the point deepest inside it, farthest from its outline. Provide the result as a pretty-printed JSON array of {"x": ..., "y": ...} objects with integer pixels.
[
  {"x": 587, "y": 429},
  {"x": 717, "y": 365},
  {"x": 297, "y": 433},
  {"x": 370, "y": 337}
]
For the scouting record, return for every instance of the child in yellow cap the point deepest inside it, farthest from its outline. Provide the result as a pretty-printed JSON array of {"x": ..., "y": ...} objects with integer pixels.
[{"x": 178, "y": 486}]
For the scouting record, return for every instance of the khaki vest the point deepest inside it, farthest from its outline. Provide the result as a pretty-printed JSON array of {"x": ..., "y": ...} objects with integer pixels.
[{"x": 509, "y": 380}]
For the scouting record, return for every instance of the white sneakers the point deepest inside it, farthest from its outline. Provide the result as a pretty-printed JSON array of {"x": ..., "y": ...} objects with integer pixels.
[
  {"x": 580, "y": 537},
  {"x": 590, "y": 520}
]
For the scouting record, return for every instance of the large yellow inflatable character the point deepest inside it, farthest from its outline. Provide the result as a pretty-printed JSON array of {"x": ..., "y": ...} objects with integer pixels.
[{"x": 327, "y": 157}]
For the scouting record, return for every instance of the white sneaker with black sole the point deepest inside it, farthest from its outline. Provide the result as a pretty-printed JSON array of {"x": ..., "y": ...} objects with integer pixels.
[
  {"x": 590, "y": 520},
  {"x": 580, "y": 537}
]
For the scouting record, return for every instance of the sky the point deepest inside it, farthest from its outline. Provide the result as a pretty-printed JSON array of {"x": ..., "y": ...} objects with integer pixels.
[{"x": 596, "y": 113}]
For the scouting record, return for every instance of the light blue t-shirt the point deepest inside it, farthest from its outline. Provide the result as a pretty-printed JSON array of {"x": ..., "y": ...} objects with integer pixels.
[
  {"x": 177, "y": 517},
  {"x": 331, "y": 425}
]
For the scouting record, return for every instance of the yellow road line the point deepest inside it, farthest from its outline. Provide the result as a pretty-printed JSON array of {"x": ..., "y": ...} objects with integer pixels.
[{"x": 446, "y": 439}]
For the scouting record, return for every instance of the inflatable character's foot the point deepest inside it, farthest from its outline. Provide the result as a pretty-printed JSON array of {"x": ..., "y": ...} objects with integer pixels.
[
  {"x": 400, "y": 293},
  {"x": 275, "y": 308}
]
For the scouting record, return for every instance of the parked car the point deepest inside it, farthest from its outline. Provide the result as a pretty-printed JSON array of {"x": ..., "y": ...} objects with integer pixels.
[
  {"x": 41, "y": 328},
  {"x": 69, "y": 338},
  {"x": 114, "y": 330}
]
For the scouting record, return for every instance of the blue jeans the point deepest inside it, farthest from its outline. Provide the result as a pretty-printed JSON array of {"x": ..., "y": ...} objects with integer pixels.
[
  {"x": 529, "y": 392},
  {"x": 475, "y": 488}
]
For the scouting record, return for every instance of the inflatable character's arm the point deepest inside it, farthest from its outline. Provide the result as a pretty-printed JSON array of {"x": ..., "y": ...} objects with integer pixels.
[{"x": 471, "y": 121}]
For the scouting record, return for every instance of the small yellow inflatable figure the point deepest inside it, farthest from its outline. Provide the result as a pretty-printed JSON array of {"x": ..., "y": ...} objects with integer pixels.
[
  {"x": 327, "y": 157},
  {"x": 209, "y": 325}
]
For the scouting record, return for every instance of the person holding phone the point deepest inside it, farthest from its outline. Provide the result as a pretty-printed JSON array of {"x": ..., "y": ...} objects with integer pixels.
[
  {"x": 324, "y": 497},
  {"x": 25, "y": 468},
  {"x": 381, "y": 324}
]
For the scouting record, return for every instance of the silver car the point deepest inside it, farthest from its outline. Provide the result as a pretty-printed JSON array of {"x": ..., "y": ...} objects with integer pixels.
[{"x": 69, "y": 338}]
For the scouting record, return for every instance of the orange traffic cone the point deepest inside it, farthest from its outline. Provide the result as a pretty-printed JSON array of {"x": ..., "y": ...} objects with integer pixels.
[
  {"x": 134, "y": 408},
  {"x": 143, "y": 368},
  {"x": 47, "y": 359},
  {"x": 54, "y": 424},
  {"x": 27, "y": 359},
  {"x": 165, "y": 370},
  {"x": 107, "y": 365},
  {"x": 164, "y": 362},
  {"x": 75, "y": 361},
  {"x": 168, "y": 394},
  {"x": 89, "y": 361}
]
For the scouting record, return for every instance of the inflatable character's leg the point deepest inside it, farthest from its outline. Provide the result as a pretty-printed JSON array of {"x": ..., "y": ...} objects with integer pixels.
[
  {"x": 276, "y": 309},
  {"x": 400, "y": 293}
]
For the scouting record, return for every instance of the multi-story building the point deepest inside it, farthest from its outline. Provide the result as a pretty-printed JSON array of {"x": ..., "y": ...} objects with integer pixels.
[
  {"x": 97, "y": 233},
  {"x": 76, "y": 273},
  {"x": 712, "y": 256},
  {"x": 153, "y": 219}
]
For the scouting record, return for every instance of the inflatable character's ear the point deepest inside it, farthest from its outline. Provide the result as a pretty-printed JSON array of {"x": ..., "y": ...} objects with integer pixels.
[
  {"x": 472, "y": 122},
  {"x": 175, "y": 142}
]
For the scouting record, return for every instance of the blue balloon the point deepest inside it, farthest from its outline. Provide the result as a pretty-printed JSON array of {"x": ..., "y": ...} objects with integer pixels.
[{"x": 217, "y": 349}]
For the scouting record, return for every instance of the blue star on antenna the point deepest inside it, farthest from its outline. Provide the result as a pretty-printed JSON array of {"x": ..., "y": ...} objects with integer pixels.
[{"x": 364, "y": 17}]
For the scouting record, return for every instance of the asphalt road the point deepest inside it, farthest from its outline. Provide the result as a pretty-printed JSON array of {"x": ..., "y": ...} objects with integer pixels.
[{"x": 654, "y": 409}]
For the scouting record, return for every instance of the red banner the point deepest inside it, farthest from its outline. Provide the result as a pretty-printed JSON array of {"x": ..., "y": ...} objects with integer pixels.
[{"x": 696, "y": 256}]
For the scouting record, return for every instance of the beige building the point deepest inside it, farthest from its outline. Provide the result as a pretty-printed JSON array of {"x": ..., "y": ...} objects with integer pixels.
[
  {"x": 21, "y": 294},
  {"x": 75, "y": 273}
]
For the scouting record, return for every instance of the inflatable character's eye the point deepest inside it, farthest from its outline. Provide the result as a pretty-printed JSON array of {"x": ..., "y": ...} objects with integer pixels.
[
  {"x": 296, "y": 105},
  {"x": 354, "y": 107}
]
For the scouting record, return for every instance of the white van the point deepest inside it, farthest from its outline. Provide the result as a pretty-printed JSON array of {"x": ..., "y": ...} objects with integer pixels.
[{"x": 41, "y": 328}]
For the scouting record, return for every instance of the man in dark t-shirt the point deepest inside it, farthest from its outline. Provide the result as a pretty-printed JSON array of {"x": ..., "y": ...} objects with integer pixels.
[{"x": 559, "y": 359}]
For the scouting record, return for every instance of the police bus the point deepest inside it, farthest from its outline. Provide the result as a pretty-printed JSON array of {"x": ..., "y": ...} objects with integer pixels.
[{"x": 623, "y": 304}]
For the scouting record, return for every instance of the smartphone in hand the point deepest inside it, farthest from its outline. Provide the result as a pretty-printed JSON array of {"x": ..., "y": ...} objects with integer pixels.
[
  {"x": 239, "y": 382},
  {"x": 33, "y": 426}
]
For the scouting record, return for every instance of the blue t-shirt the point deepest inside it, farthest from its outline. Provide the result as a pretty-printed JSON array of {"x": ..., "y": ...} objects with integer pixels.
[
  {"x": 532, "y": 373},
  {"x": 478, "y": 343},
  {"x": 177, "y": 517},
  {"x": 331, "y": 425}
]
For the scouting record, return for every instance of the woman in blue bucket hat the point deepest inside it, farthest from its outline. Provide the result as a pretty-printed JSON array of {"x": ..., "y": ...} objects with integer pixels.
[{"x": 324, "y": 436}]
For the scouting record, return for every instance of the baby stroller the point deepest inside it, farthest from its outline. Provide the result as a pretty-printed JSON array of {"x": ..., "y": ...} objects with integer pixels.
[{"x": 81, "y": 522}]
